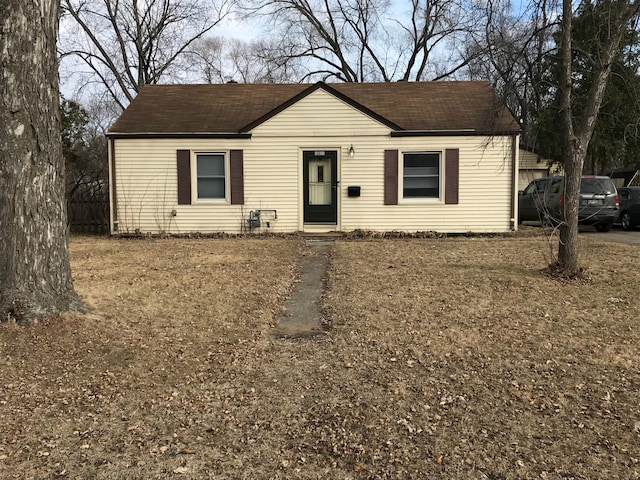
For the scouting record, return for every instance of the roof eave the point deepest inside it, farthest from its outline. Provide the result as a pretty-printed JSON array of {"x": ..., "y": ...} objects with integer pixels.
[
  {"x": 178, "y": 135},
  {"x": 452, "y": 133}
]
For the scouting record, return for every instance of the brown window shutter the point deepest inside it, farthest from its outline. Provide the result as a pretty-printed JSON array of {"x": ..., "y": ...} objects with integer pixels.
[
  {"x": 236, "y": 173},
  {"x": 451, "y": 173},
  {"x": 391, "y": 177},
  {"x": 184, "y": 177}
]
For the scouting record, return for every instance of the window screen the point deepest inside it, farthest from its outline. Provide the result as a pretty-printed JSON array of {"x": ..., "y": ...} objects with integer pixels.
[
  {"x": 211, "y": 175},
  {"x": 421, "y": 175}
]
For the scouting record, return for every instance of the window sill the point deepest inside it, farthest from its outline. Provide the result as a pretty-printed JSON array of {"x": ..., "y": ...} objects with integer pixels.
[
  {"x": 210, "y": 201},
  {"x": 421, "y": 201}
]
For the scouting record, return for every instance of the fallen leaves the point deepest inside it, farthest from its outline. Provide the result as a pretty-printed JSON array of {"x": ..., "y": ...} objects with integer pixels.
[{"x": 459, "y": 362}]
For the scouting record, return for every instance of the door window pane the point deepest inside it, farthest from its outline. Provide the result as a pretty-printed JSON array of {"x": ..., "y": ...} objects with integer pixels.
[{"x": 320, "y": 182}]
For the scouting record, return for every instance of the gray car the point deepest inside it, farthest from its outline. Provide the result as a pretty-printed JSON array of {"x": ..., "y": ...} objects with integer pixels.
[
  {"x": 629, "y": 207},
  {"x": 543, "y": 200}
]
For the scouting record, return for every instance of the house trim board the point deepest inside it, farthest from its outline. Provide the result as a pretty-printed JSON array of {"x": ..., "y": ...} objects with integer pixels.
[
  {"x": 113, "y": 192},
  {"x": 514, "y": 181},
  {"x": 231, "y": 135}
]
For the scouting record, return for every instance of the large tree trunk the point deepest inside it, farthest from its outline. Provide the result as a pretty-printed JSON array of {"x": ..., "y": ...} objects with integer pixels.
[
  {"x": 568, "y": 247},
  {"x": 35, "y": 276},
  {"x": 568, "y": 258},
  {"x": 578, "y": 135}
]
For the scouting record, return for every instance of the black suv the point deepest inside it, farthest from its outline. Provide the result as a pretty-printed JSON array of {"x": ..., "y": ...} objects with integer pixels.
[{"x": 543, "y": 200}]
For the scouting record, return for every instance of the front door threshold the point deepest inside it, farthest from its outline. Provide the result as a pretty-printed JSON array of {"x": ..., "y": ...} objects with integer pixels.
[{"x": 320, "y": 228}]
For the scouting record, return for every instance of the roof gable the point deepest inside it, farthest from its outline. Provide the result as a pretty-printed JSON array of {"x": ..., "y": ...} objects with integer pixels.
[
  {"x": 305, "y": 93},
  {"x": 235, "y": 109}
]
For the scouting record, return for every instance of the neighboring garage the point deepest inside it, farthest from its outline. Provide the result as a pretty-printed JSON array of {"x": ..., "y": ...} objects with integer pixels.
[{"x": 532, "y": 167}]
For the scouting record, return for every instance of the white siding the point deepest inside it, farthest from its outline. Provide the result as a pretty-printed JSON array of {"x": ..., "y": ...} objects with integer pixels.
[
  {"x": 146, "y": 177},
  {"x": 320, "y": 115},
  {"x": 147, "y": 188},
  {"x": 532, "y": 167},
  {"x": 484, "y": 188},
  {"x": 530, "y": 160}
]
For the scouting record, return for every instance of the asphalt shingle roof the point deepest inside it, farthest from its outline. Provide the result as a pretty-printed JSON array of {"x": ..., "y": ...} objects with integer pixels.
[{"x": 236, "y": 107}]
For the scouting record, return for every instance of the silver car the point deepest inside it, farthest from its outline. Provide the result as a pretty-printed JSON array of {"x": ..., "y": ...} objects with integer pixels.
[{"x": 543, "y": 200}]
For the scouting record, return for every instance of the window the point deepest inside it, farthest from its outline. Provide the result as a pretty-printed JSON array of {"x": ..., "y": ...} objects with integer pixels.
[
  {"x": 320, "y": 191},
  {"x": 421, "y": 175},
  {"x": 534, "y": 187},
  {"x": 537, "y": 186},
  {"x": 211, "y": 175},
  {"x": 598, "y": 186},
  {"x": 556, "y": 184}
]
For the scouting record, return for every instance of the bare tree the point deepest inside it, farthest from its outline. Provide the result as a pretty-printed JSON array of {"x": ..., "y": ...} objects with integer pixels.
[
  {"x": 361, "y": 40},
  {"x": 84, "y": 147},
  {"x": 208, "y": 64},
  {"x": 127, "y": 43},
  {"x": 219, "y": 60},
  {"x": 512, "y": 52},
  {"x": 259, "y": 61},
  {"x": 578, "y": 130},
  {"x": 35, "y": 278}
]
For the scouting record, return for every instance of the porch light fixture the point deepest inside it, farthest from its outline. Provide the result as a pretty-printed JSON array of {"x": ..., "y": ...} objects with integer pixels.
[{"x": 352, "y": 152}]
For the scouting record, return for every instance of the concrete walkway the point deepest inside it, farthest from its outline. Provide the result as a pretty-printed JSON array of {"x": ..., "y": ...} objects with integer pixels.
[{"x": 303, "y": 317}]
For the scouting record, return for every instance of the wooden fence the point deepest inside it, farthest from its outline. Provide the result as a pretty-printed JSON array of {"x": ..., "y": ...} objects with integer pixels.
[{"x": 88, "y": 216}]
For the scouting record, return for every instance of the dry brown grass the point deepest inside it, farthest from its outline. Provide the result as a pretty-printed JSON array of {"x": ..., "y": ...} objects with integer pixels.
[{"x": 448, "y": 358}]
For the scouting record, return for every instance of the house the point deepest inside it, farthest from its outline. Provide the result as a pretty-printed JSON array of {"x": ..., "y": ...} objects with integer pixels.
[
  {"x": 405, "y": 156},
  {"x": 625, "y": 177},
  {"x": 533, "y": 166}
]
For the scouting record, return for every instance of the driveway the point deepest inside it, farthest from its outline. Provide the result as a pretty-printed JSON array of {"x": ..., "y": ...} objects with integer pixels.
[{"x": 615, "y": 235}]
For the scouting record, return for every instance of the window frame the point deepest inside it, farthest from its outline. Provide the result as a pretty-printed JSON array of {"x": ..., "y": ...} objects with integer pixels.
[
  {"x": 194, "y": 177},
  {"x": 401, "y": 177}
]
